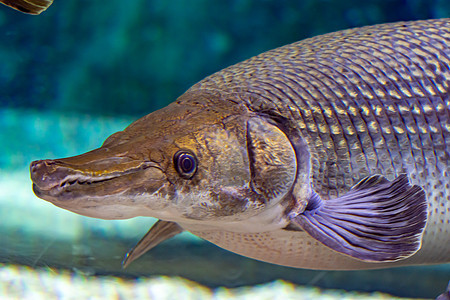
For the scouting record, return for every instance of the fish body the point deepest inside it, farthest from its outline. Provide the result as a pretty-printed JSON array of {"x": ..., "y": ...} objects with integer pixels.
[
  {"x": 329, "y": 153},
  {"x": 32, "y": 7}
]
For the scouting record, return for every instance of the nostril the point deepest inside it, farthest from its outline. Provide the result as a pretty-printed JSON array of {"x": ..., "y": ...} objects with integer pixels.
[
  {"x": 35, "y": 165},
  {"x": 40, "y": 164},
  {"x": 40, "y": 171}
]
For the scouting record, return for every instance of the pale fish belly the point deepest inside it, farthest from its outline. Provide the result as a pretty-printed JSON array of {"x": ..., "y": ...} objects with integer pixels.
[{"x": 288, "y": 248}]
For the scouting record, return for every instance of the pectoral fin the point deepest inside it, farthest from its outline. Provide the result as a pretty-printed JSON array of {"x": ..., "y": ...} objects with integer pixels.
[
  {"x": 159, "y": 232},
  {"x": 33, "y": 7},
  {"x": 377, "y": 220}
]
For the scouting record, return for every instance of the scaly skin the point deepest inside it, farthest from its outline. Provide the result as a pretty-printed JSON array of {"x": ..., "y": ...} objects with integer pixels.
[
  {"x": 372, "y": 100},
  {"x": 323, "y": 113}
]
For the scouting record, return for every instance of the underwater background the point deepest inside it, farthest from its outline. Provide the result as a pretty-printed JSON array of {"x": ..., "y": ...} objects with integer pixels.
[{"x": 83, "y": 70}]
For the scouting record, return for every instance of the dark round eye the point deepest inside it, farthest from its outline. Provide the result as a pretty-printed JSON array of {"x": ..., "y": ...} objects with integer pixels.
[{"x": 185, "y": 163}]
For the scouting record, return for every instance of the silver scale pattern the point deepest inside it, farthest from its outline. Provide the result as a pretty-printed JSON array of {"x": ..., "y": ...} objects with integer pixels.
[{"x": 371, "y": 100}]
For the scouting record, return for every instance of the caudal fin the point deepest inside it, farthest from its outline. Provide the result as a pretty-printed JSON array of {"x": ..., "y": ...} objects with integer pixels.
[
  {"x": 377, "y": 220},
  {"x": 33, "y": 7}
]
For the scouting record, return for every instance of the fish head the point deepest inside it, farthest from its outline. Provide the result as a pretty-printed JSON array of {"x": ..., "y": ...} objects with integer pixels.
[{"x": 184, "y": 163}]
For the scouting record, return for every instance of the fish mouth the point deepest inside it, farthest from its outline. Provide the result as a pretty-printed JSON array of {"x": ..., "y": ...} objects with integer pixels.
[{"x": 61, "y": 182}]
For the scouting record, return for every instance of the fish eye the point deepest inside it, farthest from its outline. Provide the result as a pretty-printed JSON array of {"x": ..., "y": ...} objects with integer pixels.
[{"x": 185, "y": 163}]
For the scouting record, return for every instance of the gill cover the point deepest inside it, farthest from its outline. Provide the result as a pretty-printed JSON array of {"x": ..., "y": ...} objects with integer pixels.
[
  {"x": 273, "y": 164},
  {"x": 270, "y": 166}
]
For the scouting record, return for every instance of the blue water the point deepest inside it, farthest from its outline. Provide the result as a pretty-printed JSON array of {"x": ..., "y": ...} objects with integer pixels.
[{"x": 85, "y": 69}]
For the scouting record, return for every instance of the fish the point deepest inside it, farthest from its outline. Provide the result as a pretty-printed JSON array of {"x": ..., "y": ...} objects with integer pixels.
[
  {"x": 331, "y": 153},
  {"x": 32, "y": 7}
]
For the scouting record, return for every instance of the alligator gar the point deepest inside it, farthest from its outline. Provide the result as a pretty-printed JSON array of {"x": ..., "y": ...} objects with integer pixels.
[{"x": 328, "y": 153}]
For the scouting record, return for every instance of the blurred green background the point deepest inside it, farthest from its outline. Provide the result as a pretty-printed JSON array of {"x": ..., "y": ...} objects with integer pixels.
[
  {"x": 132, "y": 57},
  {"x": 85, "y": 69}
]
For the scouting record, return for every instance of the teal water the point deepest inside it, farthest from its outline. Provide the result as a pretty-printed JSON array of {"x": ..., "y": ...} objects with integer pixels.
[
  {"x": 132, "y": 57},
  {"x": 83, "y": 70}
]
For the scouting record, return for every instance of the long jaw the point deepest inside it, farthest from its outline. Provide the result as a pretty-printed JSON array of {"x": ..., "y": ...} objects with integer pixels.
[{"x": 95, "y": 186}]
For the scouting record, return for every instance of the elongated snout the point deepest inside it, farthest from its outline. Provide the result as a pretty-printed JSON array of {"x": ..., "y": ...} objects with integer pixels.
[
  {"x": 96, "y": 183},
  {"x": 47, "y": 174}
]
